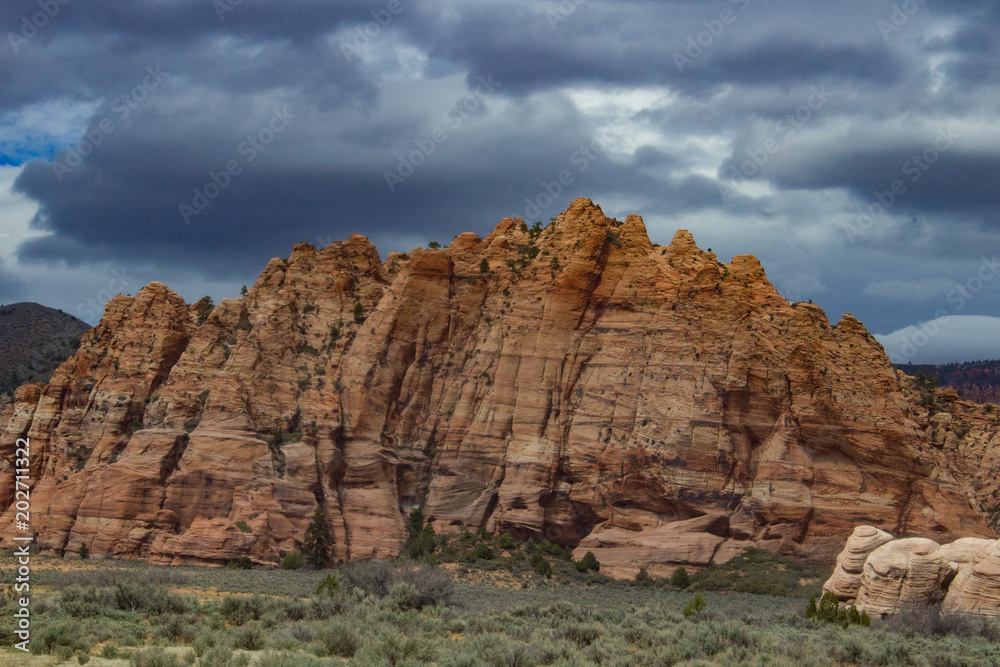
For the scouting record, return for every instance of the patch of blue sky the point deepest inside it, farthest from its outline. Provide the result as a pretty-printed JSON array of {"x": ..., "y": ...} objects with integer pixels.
[
  {"x": 42, "y": 131},
  {"x": 14, "y": 153}
]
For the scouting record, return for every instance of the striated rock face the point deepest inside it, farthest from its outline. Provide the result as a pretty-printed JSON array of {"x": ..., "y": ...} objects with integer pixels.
[
  {"x": 904, "y": 573},
  {"x": 590, "y": 388},
  {"x": 976, "y": 588},
  {"x": 917, "y": 572},
  {"x": 847, "y": 576}
]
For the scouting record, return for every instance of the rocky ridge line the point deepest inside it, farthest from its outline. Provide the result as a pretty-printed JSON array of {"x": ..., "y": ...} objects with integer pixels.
[{"x": 575, "y": 383}]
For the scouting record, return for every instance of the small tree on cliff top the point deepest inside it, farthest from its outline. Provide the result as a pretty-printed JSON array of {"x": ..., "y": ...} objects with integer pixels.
[
  {"x": 318, "y": 545},
  {"x": 203, "y": 308}
]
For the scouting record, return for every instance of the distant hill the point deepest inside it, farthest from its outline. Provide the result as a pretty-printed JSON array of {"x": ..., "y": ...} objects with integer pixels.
[
  {"x": 34, "y": 340},
  {"x": 977, "y": 381}
]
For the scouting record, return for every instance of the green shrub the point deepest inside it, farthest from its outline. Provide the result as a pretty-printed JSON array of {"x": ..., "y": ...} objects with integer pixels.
[
  {"x": 244, "y": 563},
  {"x": 484, "y": 265},
  {"x": 829, "y": 610},
  {"x": 421, "y": 541},
  {"x": 694, "y": 606},
  {"x": 61, "y": 635},
  {"x": 642, "y": 578},
  {"x": 588, "y": 563},
  {"x": 109, "y": 652},
  {"x": 288, "y": 659},
  {"x": 240, "y": 610},
  {"x": 250, "y": 637},
  {"x": 583, "y": 634},
  {"x": 506, "y": 541},
  {"x": 87, "y": 602},
  {"x": 482, "y": 551},
  {"x": 393, "y": 648},
  {"x": 330, "y": 585},
  {"x": 84, "y": 551},
  {"x": 932, "y": 622},
  {"x": 541, "y": 566},
  {"x": 243, "y": 526},
  {"x": 177, "y": 628},
  {"x": 148, "y": 599},
  {"x": 680, "y": 578},
  {"x": 292, "y": 561},
  {"x": 339, "y": 639},
  {"x": 403, "y": 596},
  {"x": 204, "y": 642},
  {"x": 498, "y": 650},
  {"x": 763, "y": 573},
  {"x": 434, "y": 585},
  {"x": 373, "y": 577},
  {"x": 222, "y": 656},
  {"x": 359, "y": 312},
  {"x": 153, "y": 657}
]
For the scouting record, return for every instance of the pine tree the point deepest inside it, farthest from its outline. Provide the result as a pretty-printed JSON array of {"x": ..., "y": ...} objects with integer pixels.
[
  {"x": 318, "y": 544},
  {"x": 416, "y": 522},
  {"x": 203, "y": 307}
]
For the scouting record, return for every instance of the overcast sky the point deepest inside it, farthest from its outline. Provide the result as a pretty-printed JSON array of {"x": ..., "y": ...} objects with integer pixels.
[{"x": 852, "y": 146}]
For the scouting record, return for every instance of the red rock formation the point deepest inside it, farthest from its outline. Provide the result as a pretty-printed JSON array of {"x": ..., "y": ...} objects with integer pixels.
[{"x": 589, "y": 388}]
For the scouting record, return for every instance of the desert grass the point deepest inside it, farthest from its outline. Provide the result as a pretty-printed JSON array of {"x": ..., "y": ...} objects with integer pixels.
[{"x": 472, "y": 611}]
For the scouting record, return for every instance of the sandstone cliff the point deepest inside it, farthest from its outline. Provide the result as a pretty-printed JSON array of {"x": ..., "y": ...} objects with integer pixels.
[{"x": 575, "y": 383}]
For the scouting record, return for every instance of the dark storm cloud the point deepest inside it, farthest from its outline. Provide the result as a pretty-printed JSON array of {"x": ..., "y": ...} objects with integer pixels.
[
  {"x": 790, "y": 61},
  {"x": 295, "y": 188},
  {"x": 82, "y": 59},
  {"x": 931, "y": 176},
  {"x": 642, "y": 44},
  {"x": 355, "y": 114},
  {"x": 145, "y": 22}
]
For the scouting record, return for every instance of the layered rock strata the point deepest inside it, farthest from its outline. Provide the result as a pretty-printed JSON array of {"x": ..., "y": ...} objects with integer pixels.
[
  {"x": 575, "y": 383},
  {"x": 912, "y": 573}
]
